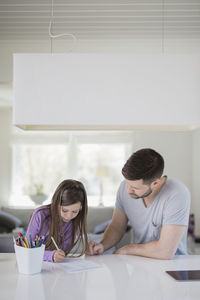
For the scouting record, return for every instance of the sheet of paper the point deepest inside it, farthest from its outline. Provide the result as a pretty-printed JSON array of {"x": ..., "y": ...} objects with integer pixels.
[{"x": 78, "y": 264}]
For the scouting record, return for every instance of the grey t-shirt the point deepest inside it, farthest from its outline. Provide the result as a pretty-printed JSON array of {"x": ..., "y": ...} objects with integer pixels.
[{"x": 171, "y": 206}]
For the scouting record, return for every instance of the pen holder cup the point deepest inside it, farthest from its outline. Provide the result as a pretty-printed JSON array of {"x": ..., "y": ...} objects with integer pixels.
[{"x": 29, "y": 260}]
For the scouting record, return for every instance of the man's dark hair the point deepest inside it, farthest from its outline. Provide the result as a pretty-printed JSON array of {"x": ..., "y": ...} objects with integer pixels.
[{"x": 146, "y": 164}]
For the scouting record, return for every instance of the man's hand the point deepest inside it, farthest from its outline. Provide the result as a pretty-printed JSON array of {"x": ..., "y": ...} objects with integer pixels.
[
  {"x": 94, "y": 248},
  {"x": 164, "y": 248},
  {"x": 123, "y": 250},
  {"x": 59, "y": 256}
]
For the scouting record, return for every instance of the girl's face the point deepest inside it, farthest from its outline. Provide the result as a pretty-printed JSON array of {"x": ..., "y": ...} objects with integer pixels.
[{"x": 70, "y": 212}]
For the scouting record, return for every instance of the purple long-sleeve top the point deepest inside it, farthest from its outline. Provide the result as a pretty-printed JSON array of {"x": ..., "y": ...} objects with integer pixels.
[{"x": 40, "y": 225}]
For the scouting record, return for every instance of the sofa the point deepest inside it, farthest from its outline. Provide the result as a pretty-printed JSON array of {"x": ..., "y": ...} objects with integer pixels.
[{"x": 97, "y": 221}]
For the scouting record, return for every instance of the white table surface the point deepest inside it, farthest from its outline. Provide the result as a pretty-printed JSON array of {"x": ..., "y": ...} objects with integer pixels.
[{"x": 120, "y": 278}]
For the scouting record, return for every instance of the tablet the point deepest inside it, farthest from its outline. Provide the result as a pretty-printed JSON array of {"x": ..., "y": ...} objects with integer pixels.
[{"x": 185, "y": 275}]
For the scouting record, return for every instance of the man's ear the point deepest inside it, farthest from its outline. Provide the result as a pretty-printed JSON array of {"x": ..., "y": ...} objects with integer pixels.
[{"x": 156, "y": 182}]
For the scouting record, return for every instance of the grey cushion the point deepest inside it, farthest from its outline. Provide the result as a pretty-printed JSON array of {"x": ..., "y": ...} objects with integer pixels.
[
  {"x": 6, "y": 242},
  {"x": 101, "y": 227},
  {"x": 8, "y": 222},
  {"x": 98, "y": 215},
  {"x": 22, "y": 214}
]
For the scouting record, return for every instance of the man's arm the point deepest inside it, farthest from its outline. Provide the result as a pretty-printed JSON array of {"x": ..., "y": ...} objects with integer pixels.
[
  {"x": 164, "y": 248},
  {"x": 115, "y": 230},
  {"x": 112, "y": 235}
]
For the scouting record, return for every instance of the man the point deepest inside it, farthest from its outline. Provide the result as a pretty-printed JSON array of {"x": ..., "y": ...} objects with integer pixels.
[{"x": 157, "y": 208}]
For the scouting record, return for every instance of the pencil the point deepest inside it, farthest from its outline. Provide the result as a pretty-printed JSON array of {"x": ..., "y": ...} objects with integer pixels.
[
  {"x": 21, "y": 241},
  {"x": 31, "y": 243},
  {"x": 41, "y": 241},
  {"x": 38, "y": 241},
  {"x": 27, "y": 242},
  {"x": 54, "y": 243}
]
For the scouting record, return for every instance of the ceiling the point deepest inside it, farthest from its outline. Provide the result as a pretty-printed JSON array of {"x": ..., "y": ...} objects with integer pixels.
[{"x": 95, "y": 19}]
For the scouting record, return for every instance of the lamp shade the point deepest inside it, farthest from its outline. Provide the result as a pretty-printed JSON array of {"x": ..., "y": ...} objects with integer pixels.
[{"x": 106, "y": 91}]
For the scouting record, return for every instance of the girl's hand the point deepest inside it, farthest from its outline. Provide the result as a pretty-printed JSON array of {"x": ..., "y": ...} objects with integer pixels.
[{"x": 59, "y": 256}]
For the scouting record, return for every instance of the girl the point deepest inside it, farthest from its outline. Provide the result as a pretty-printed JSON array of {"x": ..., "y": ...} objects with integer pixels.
[{"x": 64, "y": 220}]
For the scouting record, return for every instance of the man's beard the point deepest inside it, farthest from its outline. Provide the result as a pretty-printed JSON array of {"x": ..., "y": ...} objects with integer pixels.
[{"x": 142, "y": 196}]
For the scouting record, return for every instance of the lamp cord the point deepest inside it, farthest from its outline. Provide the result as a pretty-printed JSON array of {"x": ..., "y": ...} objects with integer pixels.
[{"x": 53, "y": 36}]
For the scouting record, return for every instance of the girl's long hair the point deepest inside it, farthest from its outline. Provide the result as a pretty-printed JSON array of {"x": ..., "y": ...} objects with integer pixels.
[{"x": 67, "y": 193}]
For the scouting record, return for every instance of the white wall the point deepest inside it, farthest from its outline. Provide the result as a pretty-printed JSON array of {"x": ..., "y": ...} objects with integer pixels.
[
  {"x": 175, "y": 147},
  {"x": 5, "y": 153},
  {"x": 196, "y": 181}
]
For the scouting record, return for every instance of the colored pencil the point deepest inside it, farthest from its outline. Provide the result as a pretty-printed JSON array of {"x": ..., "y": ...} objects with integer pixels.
[{"x": 55, "y": 243}]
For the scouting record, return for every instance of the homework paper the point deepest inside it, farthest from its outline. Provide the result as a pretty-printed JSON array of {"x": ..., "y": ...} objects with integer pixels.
[{"x": 77, "y": 264}]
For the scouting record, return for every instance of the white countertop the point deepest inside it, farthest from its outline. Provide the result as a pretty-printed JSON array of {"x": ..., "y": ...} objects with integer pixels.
[{"x": 121, "y": 278}]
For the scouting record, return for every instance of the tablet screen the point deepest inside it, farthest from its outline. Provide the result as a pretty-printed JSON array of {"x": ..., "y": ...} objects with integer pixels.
[{"x": 185, "y": 275}]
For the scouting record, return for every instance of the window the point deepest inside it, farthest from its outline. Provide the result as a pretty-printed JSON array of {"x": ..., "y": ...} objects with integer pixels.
[
  {"x": 37, "y": 166},
  {"x": 111, "y": 158},
  {"x": 44, "y": 159}
]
